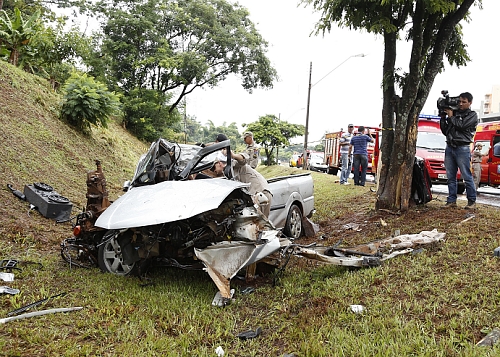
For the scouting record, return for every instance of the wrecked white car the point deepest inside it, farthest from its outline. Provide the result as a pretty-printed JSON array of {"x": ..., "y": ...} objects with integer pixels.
[{"x": 170, "y": 216}]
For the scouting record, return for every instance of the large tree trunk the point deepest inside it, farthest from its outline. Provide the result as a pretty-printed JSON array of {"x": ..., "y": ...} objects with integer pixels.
[
  {"x": 400, "y": 114},
  {"x": 398, "y": 140}
]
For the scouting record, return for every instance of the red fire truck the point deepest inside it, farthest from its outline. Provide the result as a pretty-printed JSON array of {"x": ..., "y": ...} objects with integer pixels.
[
  {"x": 332, "y": 155},
  {"x": 488, "y": 134}
]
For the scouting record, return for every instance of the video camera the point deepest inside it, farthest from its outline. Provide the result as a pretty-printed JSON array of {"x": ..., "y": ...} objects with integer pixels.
[{"x": 447, "y": 102}]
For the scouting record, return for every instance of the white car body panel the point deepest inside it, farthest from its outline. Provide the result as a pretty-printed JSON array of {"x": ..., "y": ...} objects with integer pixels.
[{"x": 153, "y": 204}]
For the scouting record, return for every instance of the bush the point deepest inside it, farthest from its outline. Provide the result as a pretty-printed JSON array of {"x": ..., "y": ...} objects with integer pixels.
[{"x": 87, "y": 102}]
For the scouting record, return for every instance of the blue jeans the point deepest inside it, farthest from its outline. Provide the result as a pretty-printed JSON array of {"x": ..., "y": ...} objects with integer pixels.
[
  {"x": 357, "y": 162},
  {"x": 454, "y": 159},
  {"x": 346, "y": 167}
]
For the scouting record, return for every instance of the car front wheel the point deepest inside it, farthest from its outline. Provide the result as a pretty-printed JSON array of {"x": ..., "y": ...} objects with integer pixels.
[
  {"x": 293, "y": 226},
  {"x": 110, "y": 255}
]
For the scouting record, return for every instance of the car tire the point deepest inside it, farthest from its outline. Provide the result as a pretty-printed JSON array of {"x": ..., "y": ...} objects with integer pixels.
[
  {"x": 110, "y": 255},
  {"x": 460, "y": 188},
  {"x": 293, "y": 225}
]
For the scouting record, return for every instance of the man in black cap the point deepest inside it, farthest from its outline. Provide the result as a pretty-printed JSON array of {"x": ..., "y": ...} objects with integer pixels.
[
  {"x": 220, "y": 138},
  {"x": 345, "y": 140}
]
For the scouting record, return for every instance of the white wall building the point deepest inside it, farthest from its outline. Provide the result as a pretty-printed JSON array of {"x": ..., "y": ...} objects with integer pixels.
[{"x": 492, "y": 101}]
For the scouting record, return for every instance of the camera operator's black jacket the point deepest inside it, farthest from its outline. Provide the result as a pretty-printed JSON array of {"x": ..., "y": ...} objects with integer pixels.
[{"x": 460, "y": 128}]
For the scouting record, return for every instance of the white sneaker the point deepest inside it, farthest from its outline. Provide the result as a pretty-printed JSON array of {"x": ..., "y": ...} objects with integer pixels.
[{"x": 346, "y": 183}]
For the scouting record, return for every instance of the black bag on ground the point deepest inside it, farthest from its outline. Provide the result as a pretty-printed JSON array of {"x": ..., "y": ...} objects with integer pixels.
[{"x": 421, "y": 183}]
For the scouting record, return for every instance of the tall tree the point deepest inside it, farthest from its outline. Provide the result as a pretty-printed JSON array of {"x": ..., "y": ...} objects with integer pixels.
[
  {"x": 271, "y": 132},
  {"x": 178, "y": 46},
  {"x": 210, "y": 131},
  {"x": 433, "y": 27}
]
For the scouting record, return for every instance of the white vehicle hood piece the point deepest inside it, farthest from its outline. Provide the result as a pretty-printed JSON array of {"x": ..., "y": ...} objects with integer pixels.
[
  {"x": 223, "y": 260},
  {"x": 167, "y": 201}
]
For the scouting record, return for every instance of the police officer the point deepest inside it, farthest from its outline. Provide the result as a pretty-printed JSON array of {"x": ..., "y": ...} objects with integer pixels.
[{"x": 252, "y": 150}]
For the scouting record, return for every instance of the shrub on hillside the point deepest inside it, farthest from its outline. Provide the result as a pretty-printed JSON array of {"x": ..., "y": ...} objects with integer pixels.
[{"x": 87, "y": 102}]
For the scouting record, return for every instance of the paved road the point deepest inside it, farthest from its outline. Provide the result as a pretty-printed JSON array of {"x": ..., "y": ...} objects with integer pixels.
[{"x": 487, "y": 195}]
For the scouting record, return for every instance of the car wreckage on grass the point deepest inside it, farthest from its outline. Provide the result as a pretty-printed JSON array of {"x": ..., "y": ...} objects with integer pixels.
[{"x": 169, "y": 216}]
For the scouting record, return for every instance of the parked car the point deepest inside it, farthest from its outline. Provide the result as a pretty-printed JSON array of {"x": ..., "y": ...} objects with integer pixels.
[
  {"x": 169, "y": 217},
  {"x": 293, "y": 160},
  {"x": 316, "y": 163}
]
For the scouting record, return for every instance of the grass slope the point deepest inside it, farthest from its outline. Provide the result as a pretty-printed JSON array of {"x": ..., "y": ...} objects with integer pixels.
[
  {"x": 439, "y": 302},
  {"x": 37, "y": 147}
]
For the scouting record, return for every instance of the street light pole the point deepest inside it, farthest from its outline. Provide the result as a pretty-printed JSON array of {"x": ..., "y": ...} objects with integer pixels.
[{"x": 304, "y": 155}]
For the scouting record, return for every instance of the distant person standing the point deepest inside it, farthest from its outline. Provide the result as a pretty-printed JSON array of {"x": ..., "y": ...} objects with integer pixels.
[
  {"x": 358, "y": 147},
  {"x": 477, "y": 159},
  {"x": 346, "y": 158},
  {"x": 252, "y": 150}
]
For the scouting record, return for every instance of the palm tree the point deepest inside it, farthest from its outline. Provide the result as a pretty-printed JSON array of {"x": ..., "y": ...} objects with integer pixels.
[{"x": 17, "y": 33}]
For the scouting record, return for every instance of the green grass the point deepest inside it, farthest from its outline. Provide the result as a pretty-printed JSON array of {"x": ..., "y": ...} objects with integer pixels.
[{"x": 439, "y": 302}]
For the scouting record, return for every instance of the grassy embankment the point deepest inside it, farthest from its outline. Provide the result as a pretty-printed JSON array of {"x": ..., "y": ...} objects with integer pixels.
[{"x": 439, "y": 302}]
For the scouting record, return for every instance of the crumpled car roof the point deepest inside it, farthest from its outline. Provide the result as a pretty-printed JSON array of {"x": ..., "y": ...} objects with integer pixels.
[{"x": 168, "y": 201}]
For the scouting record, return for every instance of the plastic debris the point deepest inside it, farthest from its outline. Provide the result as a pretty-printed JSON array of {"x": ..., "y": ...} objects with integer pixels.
[
  {"x": 219, "y": 351},
  {"x": 8, "y": 290},
  {"x": 491, "y": 338},
  {"x": 358, "y": 309},
  {"x": 221, "y": 301},
  {"x": 353, "y": 226},
  {"x": 39, "y": 313},
  {"x": 247, "y": 290},
  {"x": 250, "y": 334},
  {"x": 7, "y": 276}
]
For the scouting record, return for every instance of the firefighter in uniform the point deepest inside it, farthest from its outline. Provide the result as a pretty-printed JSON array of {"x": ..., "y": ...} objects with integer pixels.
[{"x": 252, "y": 150}]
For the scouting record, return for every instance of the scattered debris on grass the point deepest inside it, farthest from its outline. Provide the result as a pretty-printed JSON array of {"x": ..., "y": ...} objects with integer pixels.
[
  {"x": 250, "y": 334},
  {"x": 353, "y": 226},
  {"x": 370, "y": 254},
  {"x": 219, "y": 351},
  {"x": 33, "y": 304},
  {"x": 8, "y": 290},
  {"x": 221, "y": 301},
  {"x": 7, "y": 276},
  {"x": 358, "y": 309},
  {"x": 39, "y": 313},
  {"x": 491, "y": 338}
]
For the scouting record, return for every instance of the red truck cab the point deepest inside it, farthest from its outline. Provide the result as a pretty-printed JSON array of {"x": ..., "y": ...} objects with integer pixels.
[
  {"x": 488, "y": 134},
  {"x": 431, "y": 146}
]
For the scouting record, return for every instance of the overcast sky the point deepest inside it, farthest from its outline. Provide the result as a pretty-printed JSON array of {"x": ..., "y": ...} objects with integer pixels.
[{"x": 350, "y": 93}]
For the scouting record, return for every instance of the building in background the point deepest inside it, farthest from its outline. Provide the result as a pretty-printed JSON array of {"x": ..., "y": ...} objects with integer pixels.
[{"x": 490, "y": 107}]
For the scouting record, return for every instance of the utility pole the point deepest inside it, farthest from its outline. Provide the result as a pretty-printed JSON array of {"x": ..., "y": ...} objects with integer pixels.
[
  {"x": 304, "y": 155},
  {"x": 185, "y": 121},
  {"x": 309, "y": 101}
]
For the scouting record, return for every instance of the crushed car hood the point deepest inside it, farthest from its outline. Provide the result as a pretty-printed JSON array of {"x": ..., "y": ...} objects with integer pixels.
[{"x": 167, "y": 201}]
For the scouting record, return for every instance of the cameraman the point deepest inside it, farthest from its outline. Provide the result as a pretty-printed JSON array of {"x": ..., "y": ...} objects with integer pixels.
[{"x": 459, "y": 128}]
